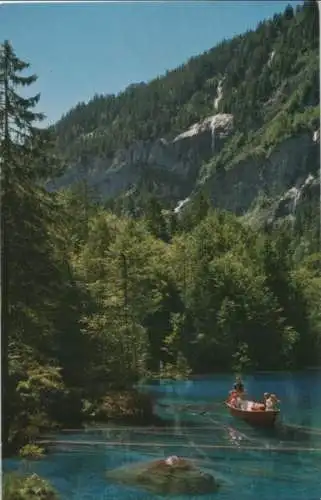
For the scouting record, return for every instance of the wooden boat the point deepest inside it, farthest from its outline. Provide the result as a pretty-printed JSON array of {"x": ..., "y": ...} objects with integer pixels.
[{"x": 260, "y": 418}]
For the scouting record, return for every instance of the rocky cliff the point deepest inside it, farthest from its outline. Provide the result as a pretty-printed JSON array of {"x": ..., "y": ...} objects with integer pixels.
[
  {"x": 280, "y": 176},
  {"x": 240, "y": 121},
  {"x": 178, "y": 160},
  {"x": 291, "y": 167}
]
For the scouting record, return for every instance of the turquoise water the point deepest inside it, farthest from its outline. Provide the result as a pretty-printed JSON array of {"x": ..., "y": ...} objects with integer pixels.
[{"x": 284, "y": 463}]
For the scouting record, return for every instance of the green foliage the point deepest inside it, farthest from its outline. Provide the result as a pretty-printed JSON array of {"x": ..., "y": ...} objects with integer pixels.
[
  {"x": 30, "y": 279},
  {"x": 16, "y": 487},
  {"x": 128, "y": 261},
  {"x": 176, "y": 366},
  {"x": 35, "y": 276},
  {"x": 126, "y": 406},
  {"x": 37, "y": 388},
  {"x": 32, "y": 452},
  {"x": 179, "y": 370},
  {"x": 241, "y": 358}
]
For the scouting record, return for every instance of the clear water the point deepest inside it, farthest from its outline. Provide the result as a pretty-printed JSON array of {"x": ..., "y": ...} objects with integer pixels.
[{"x": 284, "y": 463}]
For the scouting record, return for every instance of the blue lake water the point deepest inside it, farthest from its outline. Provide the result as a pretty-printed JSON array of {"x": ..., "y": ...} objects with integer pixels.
[{"x": 284, "y": 463}]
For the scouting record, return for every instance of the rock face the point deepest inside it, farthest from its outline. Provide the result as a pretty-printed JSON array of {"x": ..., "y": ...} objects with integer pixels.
[
  {"x": 180, "y": 157},
  {"x": 288, "y": 167},
  {"x": 162, "y": 479},
  {"x": 294, "y": 198},
  {"x": 176, "y": 164},
  {"x": 207, "y": 137}
]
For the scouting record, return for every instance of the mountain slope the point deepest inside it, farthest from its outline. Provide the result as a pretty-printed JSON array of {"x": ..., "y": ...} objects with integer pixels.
[{"x": 249, "y": 105}]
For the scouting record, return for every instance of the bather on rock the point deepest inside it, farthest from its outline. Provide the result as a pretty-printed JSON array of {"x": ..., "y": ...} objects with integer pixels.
[
  {"x": 173, "y": 475},
  {"x": 172, "y": 460}
]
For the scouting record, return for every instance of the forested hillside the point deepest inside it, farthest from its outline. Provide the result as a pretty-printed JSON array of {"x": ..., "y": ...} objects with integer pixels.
[
  {"x": 258, "y": 70},
  {"x": 266, "y": 81},
  {"x": 152, "y": 295}
]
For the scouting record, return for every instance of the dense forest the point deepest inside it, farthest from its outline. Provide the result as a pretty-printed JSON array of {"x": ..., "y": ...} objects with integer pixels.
[{"x": 93, "y": 301}]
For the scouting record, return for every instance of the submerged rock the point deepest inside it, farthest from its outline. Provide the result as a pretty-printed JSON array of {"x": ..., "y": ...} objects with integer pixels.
[{"x": 171, "y": 476}]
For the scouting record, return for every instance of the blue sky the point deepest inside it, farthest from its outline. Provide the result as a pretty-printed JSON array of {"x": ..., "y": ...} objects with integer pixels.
[{"x": 78, "y": 50}]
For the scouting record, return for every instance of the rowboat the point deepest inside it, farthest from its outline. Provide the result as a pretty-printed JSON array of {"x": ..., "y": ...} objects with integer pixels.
[{"x": 260, "y": 418}]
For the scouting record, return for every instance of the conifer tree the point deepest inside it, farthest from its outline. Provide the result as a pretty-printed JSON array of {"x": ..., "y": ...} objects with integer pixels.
[
  {"x": 24, "y": 161},
  {"x": 16, "y": 120}
]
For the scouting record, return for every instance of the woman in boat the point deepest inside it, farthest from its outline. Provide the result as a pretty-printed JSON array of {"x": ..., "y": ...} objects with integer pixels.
[
  {"x": 233, "y": 398},
  {"x": 271, "y": 403}
]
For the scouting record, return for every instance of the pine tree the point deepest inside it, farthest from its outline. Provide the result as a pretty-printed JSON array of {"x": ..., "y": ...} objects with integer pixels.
[
  {"x": 16, "y": 118},
  {"x": 155, "y": 219},
  {"x": 25, "y": 160}
]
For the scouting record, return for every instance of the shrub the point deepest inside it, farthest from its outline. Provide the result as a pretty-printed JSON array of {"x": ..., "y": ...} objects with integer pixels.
[{"x": 17, "y": 487}]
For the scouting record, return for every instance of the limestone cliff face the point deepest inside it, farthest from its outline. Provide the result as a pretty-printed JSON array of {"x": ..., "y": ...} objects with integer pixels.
[
  {"x": 181, "y": 156},
  {"x": 287, "y": 167},
  {"x": 290, "y": 201},
  {"x": 286, "y": 207},
  {"x": 177, "y": 162}
]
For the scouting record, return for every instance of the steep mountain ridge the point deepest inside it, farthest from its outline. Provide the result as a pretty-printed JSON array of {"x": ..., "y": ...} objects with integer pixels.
[
  {"x": 173, "y": 162},
  {"x": 237, "y": 121}
]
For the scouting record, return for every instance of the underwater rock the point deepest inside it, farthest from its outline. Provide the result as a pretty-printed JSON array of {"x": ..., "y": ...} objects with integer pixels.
[{"x": 170, "y": 476}]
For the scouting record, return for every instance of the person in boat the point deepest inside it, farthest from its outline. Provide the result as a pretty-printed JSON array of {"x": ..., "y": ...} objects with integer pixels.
[
  {"x": 232, "y": 399},
  {"x": 231, "y": 396},
  {"x": 239, "y": 401},
  {"x": 266, "y": 396},
  {"x": 271, "y": 403},
  {"x": 256, "y": 406},
  {"x": 238, "y": 389},
  {"x": 239, "y": 386}
]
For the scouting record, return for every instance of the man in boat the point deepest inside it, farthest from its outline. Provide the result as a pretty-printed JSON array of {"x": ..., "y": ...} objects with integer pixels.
[
  {"x": 239, "y": 386},
  {"x": 236, "y": 395}
]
